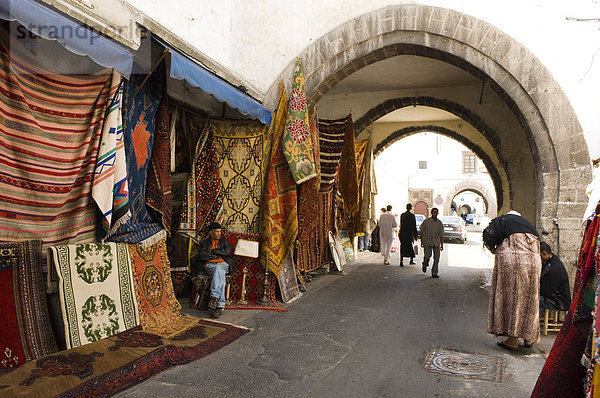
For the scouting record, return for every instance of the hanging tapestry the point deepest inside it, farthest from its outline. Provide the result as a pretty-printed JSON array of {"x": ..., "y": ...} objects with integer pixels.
[
  {"x": 348, "y": 174},
  {"x": 297, "y": 145},
  {"x": 361, "y": 152},
  {"x": 308, "y": 211},
  {"x": 331, "y": 143},
  {"x": 204, "y": 192},
  {"x": 96, "y": 291},
  {"x": 288, "y": 283},
  {"x": 114, "y": 364},
  {"x": 239, "y": 147},
  {"x": 280, "y": 219},
  {"x": 109, "y": 187},
  {"x": 158, "y": 189},
  {"x": 25, "y": 333},
  {"x": 50, "y": 134},
  {"x": 157, "y": 305},
  {"x": 141, "y": 100}
]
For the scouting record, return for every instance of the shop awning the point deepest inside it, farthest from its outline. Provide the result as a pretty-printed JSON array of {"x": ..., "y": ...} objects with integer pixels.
[
  {"x": 78, "y": 39},
  {"x": 183, "y": 68}
]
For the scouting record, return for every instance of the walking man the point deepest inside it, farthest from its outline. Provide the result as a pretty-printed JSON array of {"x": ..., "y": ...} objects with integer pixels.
[
  {"x": 387, "y": 228},
  {"x": 408, "y": 234},
  {"x": 432, "y": 240}
]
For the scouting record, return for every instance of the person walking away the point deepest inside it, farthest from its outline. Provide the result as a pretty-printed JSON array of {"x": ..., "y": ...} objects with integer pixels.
[
  {"x": 513, "y": 309},
  {"x": 387, "y": 226},
  {"x": 408, "y": 234},
  {"x": 555, "y": 293},
  {"x": 375, "y": 245},
  {"x": 432, "y": 241}
]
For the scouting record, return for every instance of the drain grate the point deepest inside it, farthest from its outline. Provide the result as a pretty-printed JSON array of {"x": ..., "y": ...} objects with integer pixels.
[{"x": 465, "y": 365}]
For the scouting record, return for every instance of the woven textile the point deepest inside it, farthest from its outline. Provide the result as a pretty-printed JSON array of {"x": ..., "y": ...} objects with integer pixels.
[
  {"x": 114, "y": 364},
  {"x": 157, "y": 305},
  {"x": 280, "y": 220},
  {"x": 110, "y": 189},
  {"x": 204, "y": 192},
  {"x": 348, "y": 172},
  {"x": 297, "y": 144},
  {"x": 25, "y": 332},
  {"x": 331, "y": 144},
  {"x": 308, "y": 211},
  {"x": 139, "y": 122},
  {"x": 50, "y": 129},
  {"x": 240, "y": 150},
  {"x": 96, "y": 291},
  {"x": 288, "y": 283},
  {"x": 158, "y": 189}
]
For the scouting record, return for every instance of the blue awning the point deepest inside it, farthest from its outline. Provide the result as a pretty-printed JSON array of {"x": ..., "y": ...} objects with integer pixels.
[
  {"x": 78, "y": 39},
  {"x": 183, "y": 68}
]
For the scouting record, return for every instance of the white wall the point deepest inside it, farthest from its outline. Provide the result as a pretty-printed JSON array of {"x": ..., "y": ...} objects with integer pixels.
[
  {"x": 397, "y": 169},
  {"x": 257, "y": 39}
]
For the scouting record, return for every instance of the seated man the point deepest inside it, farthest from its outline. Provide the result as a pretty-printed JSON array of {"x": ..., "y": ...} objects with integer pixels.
[
  {"x": 214, "y": 257},
  {"x": 554, "y": 281}
]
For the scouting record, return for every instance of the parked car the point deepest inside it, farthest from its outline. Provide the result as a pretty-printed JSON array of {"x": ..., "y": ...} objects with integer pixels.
[
  {"x": 420, "y": 218},
  {"x": 454, "y": 228},
  {"x": 470, "y": 218}
]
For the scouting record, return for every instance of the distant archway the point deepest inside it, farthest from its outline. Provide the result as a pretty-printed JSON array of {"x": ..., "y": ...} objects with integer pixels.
[{"x": 489, "y": 198}]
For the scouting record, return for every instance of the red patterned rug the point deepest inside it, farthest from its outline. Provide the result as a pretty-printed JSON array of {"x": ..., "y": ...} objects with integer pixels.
[{"x": 114, "y": 364}]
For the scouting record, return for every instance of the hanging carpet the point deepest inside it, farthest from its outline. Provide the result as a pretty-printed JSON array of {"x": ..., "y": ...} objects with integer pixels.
[
  {"x": 331, "y": 144},
  {"x": 157, "y": 305},
  {"x": 348, "y": 172},
  {"x": 280, "y": 219},
  {"x": 140, "y": 105},
  {"x": 297, "y": 144},
  {"x": 96, "y": 291},
  {"x": 158, "y": 187},
  {"x": 50, "y": 129},
  {"x": 240, "y": 149},
  {"x": 204, "y": 192},
  {"x": 110, "y": 189},
  {"x": 308, "y": 213},
  {"x": 563, "y": 374},
  {"x": 25, "y": 333},
  {"x": 114, "y": 364}
]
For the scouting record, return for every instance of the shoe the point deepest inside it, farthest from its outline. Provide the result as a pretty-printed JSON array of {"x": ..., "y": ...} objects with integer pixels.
[
  {"x": 527, "y": 345},
  {"x": 217, "y": 313},
  {"x": 435, "y": 276},
  {"x": 412, "y": 262},
  {"x": 402, "y": 264},
  {"x": 212, "y": 303},
  {"x": 502, "y": 344},
  {"x": 424, "y": 268}
]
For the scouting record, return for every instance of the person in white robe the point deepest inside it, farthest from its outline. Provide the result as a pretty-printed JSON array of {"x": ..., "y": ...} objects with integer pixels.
[{"x": 387, "y": 232}]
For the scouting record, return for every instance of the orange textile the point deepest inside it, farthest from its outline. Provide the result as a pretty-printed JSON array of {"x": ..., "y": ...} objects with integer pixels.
[{"x": 157, "y": 305}]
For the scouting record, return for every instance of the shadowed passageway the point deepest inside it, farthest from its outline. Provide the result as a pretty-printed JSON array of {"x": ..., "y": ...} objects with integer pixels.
[{"x": 361, "y": 335}]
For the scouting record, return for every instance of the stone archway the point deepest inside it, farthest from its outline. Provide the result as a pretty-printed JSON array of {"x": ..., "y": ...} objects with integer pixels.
[
  {"x": 527, "y": 88},
  {"x": 488, "y": 196}
]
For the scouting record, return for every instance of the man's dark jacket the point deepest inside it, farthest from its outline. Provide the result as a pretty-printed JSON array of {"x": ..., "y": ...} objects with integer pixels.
[
  {"x": 205, "y": 254},
  {"x": 554, "y": 284}
]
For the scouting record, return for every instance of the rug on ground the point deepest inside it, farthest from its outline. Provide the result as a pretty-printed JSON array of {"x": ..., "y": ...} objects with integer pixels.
[
  {"x": 96, "y": 291},
  {"x": 25, "y": 333},
  {"x": 113, "y": 364}
]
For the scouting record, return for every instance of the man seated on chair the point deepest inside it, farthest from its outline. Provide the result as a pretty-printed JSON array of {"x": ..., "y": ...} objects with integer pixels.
[
  {"x": 554, "y": 281},
  {"x": 214, "y": 258}
]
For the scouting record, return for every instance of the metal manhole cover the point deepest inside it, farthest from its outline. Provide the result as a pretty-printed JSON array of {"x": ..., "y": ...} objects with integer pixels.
[{"x": 462, "y": 364}]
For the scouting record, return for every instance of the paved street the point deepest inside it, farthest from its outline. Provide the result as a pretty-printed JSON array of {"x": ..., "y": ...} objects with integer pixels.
[{"x": 362, "y": 335}]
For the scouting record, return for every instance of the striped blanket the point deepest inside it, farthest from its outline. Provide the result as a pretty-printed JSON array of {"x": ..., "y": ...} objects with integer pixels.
[
  {"x": 50, "y": 128},
  {"x": 331, "y": 142}
]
